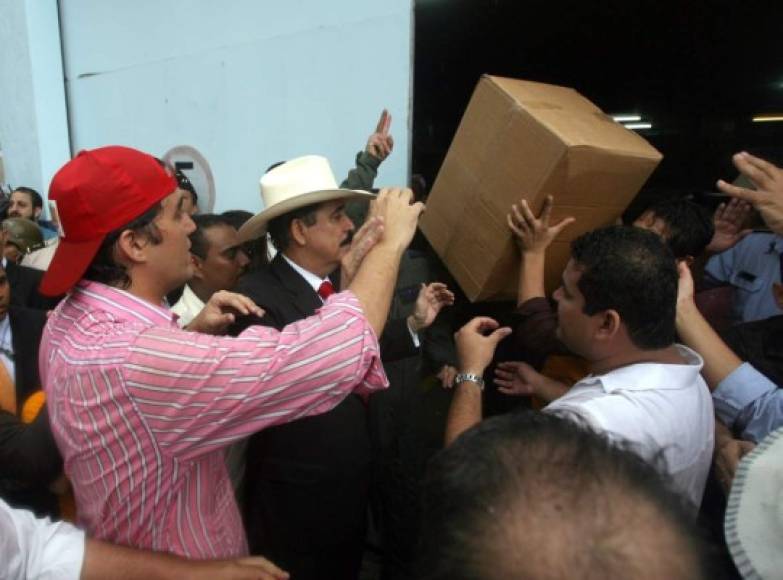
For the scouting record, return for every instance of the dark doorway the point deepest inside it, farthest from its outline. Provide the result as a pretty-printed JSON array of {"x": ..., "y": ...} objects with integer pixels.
[{"x": 698, "y": 70}]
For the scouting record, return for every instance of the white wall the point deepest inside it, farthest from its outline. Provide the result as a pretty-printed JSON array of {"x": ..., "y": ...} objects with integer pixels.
[
  {"x": 246, "y": 82},
  {"x": 33, "y": 121}
]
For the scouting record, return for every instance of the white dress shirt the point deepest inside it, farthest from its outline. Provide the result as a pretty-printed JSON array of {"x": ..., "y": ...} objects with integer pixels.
[
  {"x": 662, "y": 410},
  {"x": 187, "y": 307},
  {"x": 37, "y": 548},
  {"x": 7, "y": 347}
]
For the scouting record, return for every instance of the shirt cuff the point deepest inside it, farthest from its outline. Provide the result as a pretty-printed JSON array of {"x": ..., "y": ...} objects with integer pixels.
[
  {"x": 738, "y": 390},
  {"x": 414, "y": 335},
  {"x": 364, "y": 158}
]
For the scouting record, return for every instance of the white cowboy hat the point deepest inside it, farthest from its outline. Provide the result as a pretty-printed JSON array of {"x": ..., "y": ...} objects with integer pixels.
[{"x": 294, "y": 184}]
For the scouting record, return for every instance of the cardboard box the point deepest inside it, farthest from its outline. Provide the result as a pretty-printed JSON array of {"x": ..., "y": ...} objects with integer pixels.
[{"x": 520, "y": 139}]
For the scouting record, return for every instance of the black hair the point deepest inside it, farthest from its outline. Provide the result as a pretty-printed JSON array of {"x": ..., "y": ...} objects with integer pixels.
[
  {"x": 255, "y": 250},
  {"x": 35, "y": 197},
  {"x": 237, "y": 217},
  {"x": 279, "y": 228},
  {"x": 198, "y": 241},
  {"x": 104, "y": 268},
  {"x": 528, "y": 495},
  {"x": 631, "y": 271},
  {"x": 689, "y": 226},
  {"x": 185, "y": 184}
]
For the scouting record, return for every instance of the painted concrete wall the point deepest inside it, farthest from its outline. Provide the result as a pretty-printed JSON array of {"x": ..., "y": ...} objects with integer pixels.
[
  {"x": 246, "y": 82},
  {"x": 33, "y": 120}
]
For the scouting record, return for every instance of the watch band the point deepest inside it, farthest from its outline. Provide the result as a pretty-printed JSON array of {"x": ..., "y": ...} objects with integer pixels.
[{"x": 471, "y": 378}]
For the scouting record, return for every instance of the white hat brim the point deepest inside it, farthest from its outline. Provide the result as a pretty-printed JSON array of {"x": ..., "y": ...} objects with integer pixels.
[{"x": 256, "y": 226}]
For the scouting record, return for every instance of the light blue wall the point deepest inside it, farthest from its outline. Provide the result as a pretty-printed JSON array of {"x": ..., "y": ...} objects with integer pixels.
[
  {"x": 33, "y": 121},
  {"x": 246, "y": 82}
]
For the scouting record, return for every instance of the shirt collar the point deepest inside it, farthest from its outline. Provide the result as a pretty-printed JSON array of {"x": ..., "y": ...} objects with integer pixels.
[
  {"x": 191, "y": 301},
  {"x": 650, "y": 376},
  {"x": 312, "y": 279},
  {"x": 6, "y": 341},
  {"x": 121, "y": 303}
]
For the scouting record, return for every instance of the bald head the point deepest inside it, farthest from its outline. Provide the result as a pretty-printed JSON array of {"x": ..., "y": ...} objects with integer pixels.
[{"x": 538, "y": 496}]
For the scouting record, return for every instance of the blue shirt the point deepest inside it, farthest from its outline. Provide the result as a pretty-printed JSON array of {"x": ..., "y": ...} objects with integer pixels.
[
  {"x": 751, "y": 266},
  {"x": 749, "y": 403}
]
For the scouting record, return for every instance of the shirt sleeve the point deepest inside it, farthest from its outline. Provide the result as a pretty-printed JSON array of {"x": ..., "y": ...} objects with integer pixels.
[
  {"x": 749, "y": 403},
  {"x": 37, "y": 548},
  {"x": 720, "y": 268},
  {"x": 199, "y": 392},
  {"x": 536, "y": 332}
]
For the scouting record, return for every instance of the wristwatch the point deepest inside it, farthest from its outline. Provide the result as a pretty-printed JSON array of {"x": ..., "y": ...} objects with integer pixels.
[{"x": 469, "y": 377}]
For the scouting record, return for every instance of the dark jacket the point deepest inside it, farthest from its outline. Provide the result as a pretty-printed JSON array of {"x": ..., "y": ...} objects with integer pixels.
[
  {"x": 29, "y": 458},
  {"x": 307, "y": 481}
]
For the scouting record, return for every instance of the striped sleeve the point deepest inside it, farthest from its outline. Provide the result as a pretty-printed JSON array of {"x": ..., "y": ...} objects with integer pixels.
[{"x": 198, "y": 392}]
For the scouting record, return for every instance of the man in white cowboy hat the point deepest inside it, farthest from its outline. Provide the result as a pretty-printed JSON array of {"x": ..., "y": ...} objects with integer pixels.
[{"x": 307, "y": 485}]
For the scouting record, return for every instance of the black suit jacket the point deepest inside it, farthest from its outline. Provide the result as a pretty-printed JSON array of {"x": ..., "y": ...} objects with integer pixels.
[
  {"x": 287, "y": 297},
  {"x": 307, "y": 480},
  {"x": 24, "y": 283},
  {"x": 29, "y": 458}
]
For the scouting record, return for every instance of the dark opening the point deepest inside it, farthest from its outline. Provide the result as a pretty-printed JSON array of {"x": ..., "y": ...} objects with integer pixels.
[{"x": 698, "y": 70}]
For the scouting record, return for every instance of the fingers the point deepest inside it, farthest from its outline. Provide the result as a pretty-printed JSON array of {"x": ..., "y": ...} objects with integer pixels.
[
  {"x": 481, "y": 324},
  {"x": 530, "y": 219},
  {"x": 383, "y": 122},
  {"x": 742, "y": 193},
  {"x": 563, "y": 224},
  {"x": 262, "y": 564},
  {"x": 759, "y": 171},
  {"x": 512, "y": 225},
  {"x": 242, "y": 304},
  {"x": 546, "y": 211},
  {"x": 500, "y": 334}
]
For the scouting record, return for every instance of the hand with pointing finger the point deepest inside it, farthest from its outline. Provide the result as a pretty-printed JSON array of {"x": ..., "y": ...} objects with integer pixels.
[{"x": 381, "y": 143}]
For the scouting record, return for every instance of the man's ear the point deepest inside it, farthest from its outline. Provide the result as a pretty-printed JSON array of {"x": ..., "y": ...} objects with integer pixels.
[
  {"x": 132, "y": 247},
  {"x": 37, "y": 213},
  {"x": 610, "y": 325},
  {"x": 198, "y": 266},
  {"x": 298, "y": 231}
]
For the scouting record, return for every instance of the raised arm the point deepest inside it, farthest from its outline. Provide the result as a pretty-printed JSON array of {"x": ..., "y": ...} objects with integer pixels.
[
  {"x": 534, "y": 235},
  {"x": 476, "y": 343}
]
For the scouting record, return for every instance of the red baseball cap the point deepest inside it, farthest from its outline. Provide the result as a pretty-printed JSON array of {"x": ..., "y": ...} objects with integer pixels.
[{"x": 92, "y": 195}]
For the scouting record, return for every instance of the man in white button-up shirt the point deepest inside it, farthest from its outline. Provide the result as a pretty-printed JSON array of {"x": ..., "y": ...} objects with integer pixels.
[{"x": 616, "y": 309}]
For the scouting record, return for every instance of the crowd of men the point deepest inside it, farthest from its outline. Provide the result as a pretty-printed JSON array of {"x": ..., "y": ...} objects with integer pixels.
[{"x": 187, "y": 389}]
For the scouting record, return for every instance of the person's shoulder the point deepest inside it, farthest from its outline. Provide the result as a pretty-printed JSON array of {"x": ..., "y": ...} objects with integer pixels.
[{"x": 259, "y": 284}]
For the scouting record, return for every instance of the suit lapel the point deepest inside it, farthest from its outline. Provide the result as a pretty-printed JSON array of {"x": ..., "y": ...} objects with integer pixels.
[{"x": 304, "y": 298}]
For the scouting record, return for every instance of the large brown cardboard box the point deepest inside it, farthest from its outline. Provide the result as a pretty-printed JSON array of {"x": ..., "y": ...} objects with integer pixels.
[{"x": 520, "y": 139}]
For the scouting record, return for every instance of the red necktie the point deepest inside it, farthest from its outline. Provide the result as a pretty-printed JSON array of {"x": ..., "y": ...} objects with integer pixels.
[{"x": 325, "y": 289}]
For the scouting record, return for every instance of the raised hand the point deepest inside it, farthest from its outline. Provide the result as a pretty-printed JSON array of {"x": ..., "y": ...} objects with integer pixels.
[
  {"x": 400, "y": 217},
  {"x": 430, "y": 301},
  {"x": 728, "y": 219},
  {"x": 476, "y": 343},
  {"x": 768, "y": 196},
  {"x": 534, "y": 234},
  {"x": 381, "y": 143},
  {"x": 363, "y": 241}
]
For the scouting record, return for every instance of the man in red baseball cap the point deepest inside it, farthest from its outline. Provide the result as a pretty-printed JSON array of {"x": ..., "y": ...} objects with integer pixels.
[{"x": 143, "y": 410}]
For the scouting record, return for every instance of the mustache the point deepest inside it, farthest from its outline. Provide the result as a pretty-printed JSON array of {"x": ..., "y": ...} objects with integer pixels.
[{"x": 347, "y": 241}]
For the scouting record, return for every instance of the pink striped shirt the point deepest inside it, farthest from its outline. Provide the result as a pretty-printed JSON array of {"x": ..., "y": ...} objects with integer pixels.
[{"x": 142, "y": 410}]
